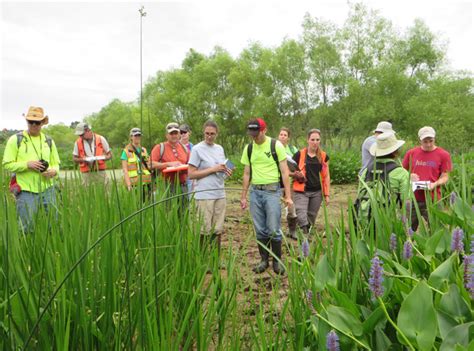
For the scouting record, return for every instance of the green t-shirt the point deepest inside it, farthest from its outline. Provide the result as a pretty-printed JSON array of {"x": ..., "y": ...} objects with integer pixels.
[
  {"x": 264, "y": 167},
  {"x": 32, "y": 148},
  {"x": 124, "y": 157},
  {"x": 290, "y": 150}
]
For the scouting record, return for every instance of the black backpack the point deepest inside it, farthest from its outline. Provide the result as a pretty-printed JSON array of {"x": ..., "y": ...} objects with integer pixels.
[
  {"x": 376, "y": 188},
  {"x": 274, "y": 155}
]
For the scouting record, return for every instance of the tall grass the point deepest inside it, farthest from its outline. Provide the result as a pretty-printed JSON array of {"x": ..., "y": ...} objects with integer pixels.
[{"x": 107, "y": 271}]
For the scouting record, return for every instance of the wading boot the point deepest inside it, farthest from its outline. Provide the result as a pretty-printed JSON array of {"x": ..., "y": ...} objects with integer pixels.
[
  {"x": 264, "y": 254},
  {"x": 292, "y": 227},
  {"x": 277, "y": 266}
]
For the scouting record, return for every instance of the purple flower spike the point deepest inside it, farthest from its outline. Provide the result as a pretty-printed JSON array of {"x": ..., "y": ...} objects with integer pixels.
[
  {"x": 407, "y": 250},
  {"x": 469, "y": 274},
  {"x": 376, "y": 277},
  {"x": 457, "y": 240},
  {"x": 452, "y": 198},
  {"x": 410, "y": 233},
  {"x": 393, "y": 242},
  {"x": 404, "y": 220},
  {"x": 309, "y": 296},
  {"x": 332, "y": 341},
  {"x": 305, "y": 248},
  {"x": 472, "y": 244},
  {"x": 466, "y": 265}
]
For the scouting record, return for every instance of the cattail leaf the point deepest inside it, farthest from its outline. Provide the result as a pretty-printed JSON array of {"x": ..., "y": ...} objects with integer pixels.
[{"x": 417, "y": 317}]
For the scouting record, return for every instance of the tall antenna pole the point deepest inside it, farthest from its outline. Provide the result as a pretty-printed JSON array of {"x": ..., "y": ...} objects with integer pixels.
[{"x": 142, "y": 14}]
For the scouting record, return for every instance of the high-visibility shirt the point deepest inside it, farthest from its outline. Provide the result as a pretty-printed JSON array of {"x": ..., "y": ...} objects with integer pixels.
[
  {"x": 135, "y": 167},
  {"x": 32, "y": 148}
]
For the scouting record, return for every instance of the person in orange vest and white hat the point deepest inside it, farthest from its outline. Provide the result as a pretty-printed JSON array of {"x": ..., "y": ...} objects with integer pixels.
[{"x": 91, "y": 150}]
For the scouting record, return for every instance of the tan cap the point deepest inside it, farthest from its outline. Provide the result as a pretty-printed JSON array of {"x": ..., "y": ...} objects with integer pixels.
[
  {"x": 172, "y": 127},
  {"x": 384, "y": 127},
  {"x": 81, "y": 128},
  {"x": 426, "y": 132}
]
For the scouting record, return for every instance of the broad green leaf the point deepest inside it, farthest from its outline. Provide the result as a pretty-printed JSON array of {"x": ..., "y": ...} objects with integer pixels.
[
  {"x": 373, "y": 320},
  {"x": 417, "y": 317},
  {"x": 382, "y": 342},
  {"x": 443, "y": 274},
  {"x": 324, "y": 274},
  {"x": 343, "y": 300},
  {"x": 344, "y": 320},
  {"x": 454, "y": 305},
  {"x": 460, "y": 335},
  {"x": 445, "y": 323},
  {"x": 432, "y": 244}
]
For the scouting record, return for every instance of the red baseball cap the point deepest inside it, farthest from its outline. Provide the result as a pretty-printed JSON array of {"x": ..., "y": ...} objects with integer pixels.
[{"x": 255, "y": 126}]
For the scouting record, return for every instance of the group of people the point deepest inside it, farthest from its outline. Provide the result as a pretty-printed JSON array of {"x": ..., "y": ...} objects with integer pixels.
[{"x": 273, "y": 170}]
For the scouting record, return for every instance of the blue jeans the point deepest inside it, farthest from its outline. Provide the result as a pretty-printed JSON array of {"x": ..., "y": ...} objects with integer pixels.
[
  {"x": 266, "y": 214},
  {"x": 27, "y": 206}
]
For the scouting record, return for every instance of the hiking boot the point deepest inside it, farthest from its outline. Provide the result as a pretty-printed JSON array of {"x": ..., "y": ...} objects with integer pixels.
[
  {"x": 292, "y": 227},
  {"x": 264, "y": 254},
  {"x": 277, "y": 266},
  {"x": 305, "y": 229}
]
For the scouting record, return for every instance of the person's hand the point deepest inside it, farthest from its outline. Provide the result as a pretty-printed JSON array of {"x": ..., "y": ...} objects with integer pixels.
[
  {"x": 228, "y": 172},
  {"x": 35, "y": 166},
  {"x": 243, "y": 203},
  {"x": 326, "y": 199},
  {"x": 299, "y": 177},
  {"x": 219, "y": 168},
  {"x": 414, "y": 177},
  {"x": 173, "y": 164},
  {"x": 129, "y": 187},
  {"x": 431, "y": 186},
  {"x": 49, "y": 173},
  {"x": 288, "y": 201}
]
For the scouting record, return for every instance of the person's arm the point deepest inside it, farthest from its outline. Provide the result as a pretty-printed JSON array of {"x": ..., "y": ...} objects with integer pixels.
[
  {"x": 108, "y": 155},
  {"x": 443, "y": 179},
  {"x": 108, "y": 151},
  {"x": 126, "y": 177},
  {"x": 155, "y": 156},
  {"x": 245, "y": 187},
  {"x": 10, "y": 162},
  {"x": 195, "y": 173},
  {"x": 285, "y": 175}
]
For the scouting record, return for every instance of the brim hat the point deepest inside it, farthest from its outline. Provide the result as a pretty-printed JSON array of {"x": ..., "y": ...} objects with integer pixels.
[
  {"x": 184, "y": 128},
  {"x": 36, "y": 114},
  {"x": 384, "y": 127},
  {"x": 385, "y": 144}
]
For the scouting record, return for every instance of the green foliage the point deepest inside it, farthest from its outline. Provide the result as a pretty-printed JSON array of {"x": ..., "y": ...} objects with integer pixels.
[{"x": 344, "y": 166}]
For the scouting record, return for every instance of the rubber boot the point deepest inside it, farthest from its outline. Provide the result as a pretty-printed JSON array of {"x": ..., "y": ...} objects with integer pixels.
[
  {"x": 305, "y": 229},
  {"x": 292, "y": 227},
  {"x": 277, "y": 266},
  {"x": 264, "y": 254}
]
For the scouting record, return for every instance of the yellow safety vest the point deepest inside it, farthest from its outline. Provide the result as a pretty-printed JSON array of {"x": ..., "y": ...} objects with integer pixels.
[{"x": 135, "y": 167}]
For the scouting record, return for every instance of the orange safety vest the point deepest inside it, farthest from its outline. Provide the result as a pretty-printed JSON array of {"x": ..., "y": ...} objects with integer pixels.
[
  {"x": 134, "y": 168},
  {"x": 324, "y": 174},
  {"x": 99, "y": 151}
]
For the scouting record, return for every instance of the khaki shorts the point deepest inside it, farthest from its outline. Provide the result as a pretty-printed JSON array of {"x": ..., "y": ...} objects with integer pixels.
[
  {"x": 95, "y": 178},
  {"x": 213, "y": 215}
]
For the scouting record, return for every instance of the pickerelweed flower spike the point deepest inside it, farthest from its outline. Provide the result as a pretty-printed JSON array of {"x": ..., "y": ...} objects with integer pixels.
[
  {"x": 376, "y": 277},
  {"x": 469, "y": 275},
  {"x": 472, "y": 244},
  {"x": 466, "y": 265},
  {"x": 457, "y": 240},
  {"x": 305, "y": 248},
  {"x": 332, "y": 341},
  {"x": 404, "y": 220},
  {"x": 452, "y": 198},
  {"x": 393, "y": 242},
  {"x": 407, "y": 250}
]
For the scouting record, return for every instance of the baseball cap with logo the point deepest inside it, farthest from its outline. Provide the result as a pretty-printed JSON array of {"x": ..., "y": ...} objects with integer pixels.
[
  {"x": 384, "y": 127},
  {"x": 426, "y": 132},
  {"x": 81, "y": 128},
  {"x": 172, "y": 127},
  {"x": 255, "y": 126}
]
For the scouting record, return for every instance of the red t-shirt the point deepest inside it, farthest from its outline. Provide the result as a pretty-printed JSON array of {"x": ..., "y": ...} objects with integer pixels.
[
  {"x": 172, "y": 153},
  {"x": 428, "y": 165}
]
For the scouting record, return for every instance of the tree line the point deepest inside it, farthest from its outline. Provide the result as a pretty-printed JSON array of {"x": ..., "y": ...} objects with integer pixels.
[{"x": 340, "y": 79}]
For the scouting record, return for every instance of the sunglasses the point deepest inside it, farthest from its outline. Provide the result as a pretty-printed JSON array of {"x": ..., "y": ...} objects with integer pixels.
[
  {"x": 36, "y": 123},
  {"x": 182, "y": 132}
]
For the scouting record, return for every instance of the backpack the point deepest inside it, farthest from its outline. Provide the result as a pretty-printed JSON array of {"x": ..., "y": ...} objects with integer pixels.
[
  {"x": 20, "y": 137},
  {"x": 274, "y": 155},
  {"x": 376, "y": 189}
]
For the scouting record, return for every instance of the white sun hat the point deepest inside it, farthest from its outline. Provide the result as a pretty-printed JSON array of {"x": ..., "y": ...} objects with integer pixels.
[{"x": 385, "y": 144}]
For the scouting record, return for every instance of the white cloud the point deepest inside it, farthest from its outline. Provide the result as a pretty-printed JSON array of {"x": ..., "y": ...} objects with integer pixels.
[{"x": 74, "y": 58}]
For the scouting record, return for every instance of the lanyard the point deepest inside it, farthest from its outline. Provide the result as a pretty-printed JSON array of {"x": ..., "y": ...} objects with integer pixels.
[{"x": 40, "y": 157}]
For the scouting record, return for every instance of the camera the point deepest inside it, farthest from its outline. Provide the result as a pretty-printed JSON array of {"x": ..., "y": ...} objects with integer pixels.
[{"x": 45, "y": 165}]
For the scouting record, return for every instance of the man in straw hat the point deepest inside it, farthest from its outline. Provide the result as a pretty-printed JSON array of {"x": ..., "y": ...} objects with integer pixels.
[
  {"x": 91, "y": 150},
  {"x": 367, "y": 158},
  {"x": 427, "y": 163},
  {"x": 33, "y": 158},
  {"x": 386, "y": 178}
]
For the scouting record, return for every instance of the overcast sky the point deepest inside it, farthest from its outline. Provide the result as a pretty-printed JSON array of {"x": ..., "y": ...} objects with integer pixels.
[{"x": 74, "y": 58}]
